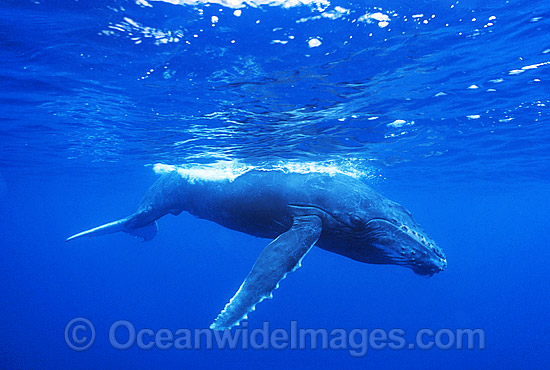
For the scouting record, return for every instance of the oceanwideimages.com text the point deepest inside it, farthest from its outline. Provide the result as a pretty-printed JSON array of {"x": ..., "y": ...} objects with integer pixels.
[{"x": 80, "y": 335}]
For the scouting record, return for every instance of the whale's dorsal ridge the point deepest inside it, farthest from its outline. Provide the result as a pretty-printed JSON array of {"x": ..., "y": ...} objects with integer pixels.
[{"x": 280, "y": 257}]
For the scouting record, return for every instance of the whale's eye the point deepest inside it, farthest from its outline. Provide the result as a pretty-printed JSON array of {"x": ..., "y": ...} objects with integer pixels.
[{"x": 357, "y": 221}]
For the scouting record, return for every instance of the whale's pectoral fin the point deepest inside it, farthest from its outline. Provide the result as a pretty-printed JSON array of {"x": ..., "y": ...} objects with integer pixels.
[
  {"x": 280, "y": 257},
  {"x": 146, "y": 232}
]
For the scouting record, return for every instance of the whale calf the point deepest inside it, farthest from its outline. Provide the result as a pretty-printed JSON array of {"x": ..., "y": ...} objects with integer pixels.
[{"x": 335, "y": 212}]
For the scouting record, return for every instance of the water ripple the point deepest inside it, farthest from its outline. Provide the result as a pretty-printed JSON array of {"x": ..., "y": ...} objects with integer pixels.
[{"x": 434, "y": 89}]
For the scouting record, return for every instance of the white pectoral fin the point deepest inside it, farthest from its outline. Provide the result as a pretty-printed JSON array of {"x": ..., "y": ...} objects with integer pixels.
[
  {"x": 145, "y": 231},
  {"x": 110, "y": 228},
  {"x": 280, "y": 257}
]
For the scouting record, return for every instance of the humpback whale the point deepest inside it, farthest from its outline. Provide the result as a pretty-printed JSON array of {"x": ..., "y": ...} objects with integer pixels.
[{"x": 336, "y": 212}]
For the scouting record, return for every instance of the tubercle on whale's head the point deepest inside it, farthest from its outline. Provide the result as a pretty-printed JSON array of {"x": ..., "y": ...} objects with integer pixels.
[{"x": 392, "y": 236}]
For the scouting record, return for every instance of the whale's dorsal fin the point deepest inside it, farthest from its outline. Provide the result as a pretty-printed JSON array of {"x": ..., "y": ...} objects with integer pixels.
[{"x": 280, "y": 257}]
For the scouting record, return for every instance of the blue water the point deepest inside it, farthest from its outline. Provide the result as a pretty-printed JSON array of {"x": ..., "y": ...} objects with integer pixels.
[{"x": 442, "y": 106}]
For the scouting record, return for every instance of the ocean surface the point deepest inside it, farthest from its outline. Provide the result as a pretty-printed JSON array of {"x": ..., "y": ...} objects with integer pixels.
[{"x": 442, "y": 106}]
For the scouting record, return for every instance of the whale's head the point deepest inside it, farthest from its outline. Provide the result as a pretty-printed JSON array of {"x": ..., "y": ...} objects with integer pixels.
[
  {"x": 388, "y": 234},
  {"x": 362, "y": 224},
  {"x": 373, "y": 229}
]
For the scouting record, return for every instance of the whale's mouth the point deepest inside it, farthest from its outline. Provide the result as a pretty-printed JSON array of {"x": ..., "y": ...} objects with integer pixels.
[{"x": 407, "y": 246}]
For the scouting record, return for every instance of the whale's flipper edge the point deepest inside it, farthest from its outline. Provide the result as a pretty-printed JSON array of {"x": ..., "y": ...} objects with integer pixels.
[
  {"x": 146, "y": 232},
  {"x": 280, "y": 257}
]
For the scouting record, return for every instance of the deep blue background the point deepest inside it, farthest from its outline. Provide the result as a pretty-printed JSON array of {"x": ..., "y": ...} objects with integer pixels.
[
  {"x": 82, "y": 123},
  {"x": 495, "y": 239}
]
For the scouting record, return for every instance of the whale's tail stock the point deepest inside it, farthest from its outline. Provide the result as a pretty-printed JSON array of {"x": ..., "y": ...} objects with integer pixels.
[{"x": 128, "y": 225}]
